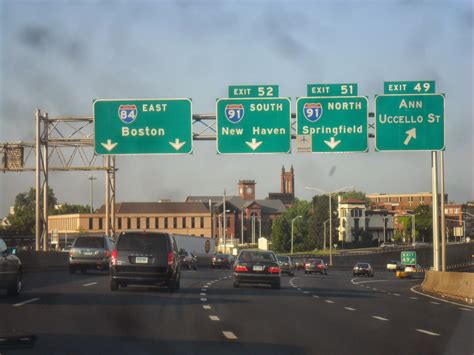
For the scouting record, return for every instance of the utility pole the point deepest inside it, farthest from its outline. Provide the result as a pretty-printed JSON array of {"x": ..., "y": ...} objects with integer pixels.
[
  {"x": 443, "y": 219},
  {"x": 92, "y": 178},
  {"x": 434, "y": 194},
  {"x": 225, "y": 225}
]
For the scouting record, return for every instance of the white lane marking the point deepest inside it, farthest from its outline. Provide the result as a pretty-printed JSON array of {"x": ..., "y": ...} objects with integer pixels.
[
  {"x": 25, "y": 302},
  {"x": 214, "y": 318},
  {"x": 432, "y": 302},
  {"x": 427, "y": 332},
  {"x": 203, "y": 290},
  {"x": 202, "y": 294},
  {"x": 396, "y": 294},
  {"x": 229, "y": 335},
  {"x": 315, "y": 296},
  {"x": 306, "y": 292},
  {"x": 464, "y": 309},
  {"x": 365, "y": 282},
  {"x": 203, "y": 299},
  {"x": 349, "y": 308},
  {"x": 413, "y": 298},
  {"x": 90, "y": 284},
  {"x": 383, "y": 291},
  {"x": 389, "y": 293},
  {"x": 206, "y": 306},
  {"x": 439, "y": 299},
  {"x": 299, "y": 289},
  {"x": 380, "y": 318},
  {"x": 374, "y": 289},
  {"x": 329, "y": 301}
]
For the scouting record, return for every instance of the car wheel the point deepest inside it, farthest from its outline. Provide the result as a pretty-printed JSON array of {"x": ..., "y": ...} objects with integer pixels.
[
  {"x": 236, "y": 284},
  {"x": 83, "y": 270},
  {"x": 276, "y": 285},
  {"x": 113, "y": 285},
  {"x": 292, "y": 274},
  {"x": 353, "y": 274},
  {"x": 14, "y": 287},
  {"x": 195, "y": 267},
  {"x": 72, "y": 270}
]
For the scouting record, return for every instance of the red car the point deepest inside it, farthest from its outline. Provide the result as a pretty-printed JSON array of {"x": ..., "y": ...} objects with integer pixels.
[{"x": 315, "y": 265}]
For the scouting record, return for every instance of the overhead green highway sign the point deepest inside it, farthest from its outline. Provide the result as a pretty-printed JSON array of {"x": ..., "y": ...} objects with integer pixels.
[
  {"x": 253, "y": 91},
  {"x": 408, "y": 257},
  {"x": 332, "y": 89},
  {"x": 409, "y": 122},
  {"x": 409, "y": 87},
  {"x": 253, "y": 125},
  {"x": 145, "y": 126},
  {"x": 332, "y": 124}
]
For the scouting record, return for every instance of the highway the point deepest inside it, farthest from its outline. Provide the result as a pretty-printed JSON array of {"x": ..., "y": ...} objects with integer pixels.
[{"x": 311, "y": 314}]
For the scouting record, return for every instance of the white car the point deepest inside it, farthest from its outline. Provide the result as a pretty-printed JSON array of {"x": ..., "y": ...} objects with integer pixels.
[
  {"x": 394, "y": 265},
  {"x": 413, "y": 268}
]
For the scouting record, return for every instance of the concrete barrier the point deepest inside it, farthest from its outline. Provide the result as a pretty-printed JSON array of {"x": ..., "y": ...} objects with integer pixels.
[
  {"x": 43, "y": 260},
  {"x": 459, "y": 285}
]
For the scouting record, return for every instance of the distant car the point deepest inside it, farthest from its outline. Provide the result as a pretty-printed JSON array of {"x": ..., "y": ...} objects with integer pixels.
[
  {"x": 315, "y": 265},
  {"x": 413, "y": 268},
  {"x": 286, "y": 265},
  {"x": 10, "y": 270},
  {"x": 394, "y": 265},
  {"x": 421, "y": 244},
  {"x": 141, "y": 258},
  {"x": 257, "y": 267},
  {"x": 188, "y": 260},
  {"x": 222, "y": 261},
  {"x": 298, "y": 262},
  {"x": 387, "y": 245},
  {"x": 363, "y": 269},
  {"x": 90, "y": 252}
]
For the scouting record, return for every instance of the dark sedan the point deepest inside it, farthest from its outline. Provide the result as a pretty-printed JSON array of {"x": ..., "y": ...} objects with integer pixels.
[
  {"x": 363, "y": 269},
  {"x": 257, "y": 267},
  {"x": 222, "y": 261},
  {"x": 315, "y": 265},
  {"x": 286, "y": 265}
]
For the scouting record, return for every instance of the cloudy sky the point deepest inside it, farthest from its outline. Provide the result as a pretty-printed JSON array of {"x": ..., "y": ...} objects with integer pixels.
[{"x": 60, "y": 55}]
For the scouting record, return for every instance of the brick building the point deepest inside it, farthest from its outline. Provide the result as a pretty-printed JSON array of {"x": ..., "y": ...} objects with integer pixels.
[{"x": 402, "y": 203}]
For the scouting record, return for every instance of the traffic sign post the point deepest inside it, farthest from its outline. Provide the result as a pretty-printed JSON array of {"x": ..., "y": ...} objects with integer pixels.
[
  {"x": 332, "y": 124},
  {"x": 411, "y": 122},
  {"x": 148, "y": 126},
  {"x": 408, "y": 257},
  {"x": 253, "y": 125}
]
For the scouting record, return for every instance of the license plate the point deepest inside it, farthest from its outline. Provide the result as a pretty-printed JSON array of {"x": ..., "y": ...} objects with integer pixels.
[
  {"x": 88, "y": 253},
  {"x": 141, "y": 260},
  {"x": 258, "y": 268}
]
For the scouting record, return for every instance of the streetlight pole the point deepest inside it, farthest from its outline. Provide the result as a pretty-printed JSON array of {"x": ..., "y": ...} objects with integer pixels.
[
  {"x": 92, "y": 178},
  {"x": 292, "y": 228},
  {"x": 225, "y": 226},
  {"x": 329, "y": 194},
  {"x": 324, "y": 245}
]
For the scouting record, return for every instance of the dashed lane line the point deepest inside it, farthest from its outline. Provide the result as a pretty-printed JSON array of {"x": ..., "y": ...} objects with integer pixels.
[
  {"x": 25, "y": 302},
  {"x": 203, "y": 299},
  {"x": 202, "y": 294},
  {"x": 203, "y": 290},
  {"x": 206, "y": 306},
  {"x": 432, "y": 302},
  {"x": 329, "y": 301},
  {"x": 214, "y": 318},
  {"x": 414, "y": 298},
  {"x": 438, "y": 299},
  {"x": 381, "y": 318},
  {"x": 396, "y": 294},
  {"x": 349, "y": 308},
  {"x": 427, "y": 332},
  {"x": 306, "y": 292},
  {"x": 90, "y": 284},
  {"x": 229, "y": 335},
  {"x": 315, "y": 296}
]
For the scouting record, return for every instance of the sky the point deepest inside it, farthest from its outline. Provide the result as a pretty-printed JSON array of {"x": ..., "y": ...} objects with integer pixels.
[{"x": 60, "y": 55}]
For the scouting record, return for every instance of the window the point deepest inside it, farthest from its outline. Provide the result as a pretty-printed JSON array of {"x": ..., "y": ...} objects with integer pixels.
[
  {"x": 129, "y": 223},
  {"x": 166, "y": 222},
  {"x": 202, "y": 222},
  {"x": 175, "y": 222},
  {"x": 356, "y": 223},
  {"x": 193, "y": 223},
  {"x": 119, "y": 223},
  {"x": 147, "y": 223},
  {"x": 138, "y": 222},
  {"x": 183, "y": 223},
  {"x": 91, "y": 223},
  {"x": 156, "y": 223},
  {"x": 100, "y": 223}
]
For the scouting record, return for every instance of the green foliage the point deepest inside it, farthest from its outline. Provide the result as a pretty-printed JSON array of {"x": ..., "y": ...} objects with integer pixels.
[
  {"x": 359, "y": 195},
  {"x": 23, "y": 220},
  {"x": 70, "y": 209}
]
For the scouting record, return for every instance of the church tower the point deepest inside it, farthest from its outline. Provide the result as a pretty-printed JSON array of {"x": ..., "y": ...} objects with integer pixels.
[{"x": 288, "y": 181}]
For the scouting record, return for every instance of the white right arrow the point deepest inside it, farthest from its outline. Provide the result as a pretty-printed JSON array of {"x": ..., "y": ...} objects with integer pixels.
[
  {"x": 332, "y": 143},
  {"x": 177, "y": 144},
  {"x": 109, "y": 145},
  {"x": 411, "y": 134},
  {"x": 254, "y": 144}
]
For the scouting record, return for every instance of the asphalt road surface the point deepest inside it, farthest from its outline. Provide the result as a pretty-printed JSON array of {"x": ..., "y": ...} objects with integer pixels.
[{"x": 311, "y": 314}]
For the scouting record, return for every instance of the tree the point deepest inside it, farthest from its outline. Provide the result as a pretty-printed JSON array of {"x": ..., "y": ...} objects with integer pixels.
[
  {"x": 23, "y": 220},
  {"x": 423, "y": 224},
  {"x": 359, "y": 195},
  {"x": 69, "y": 209}
]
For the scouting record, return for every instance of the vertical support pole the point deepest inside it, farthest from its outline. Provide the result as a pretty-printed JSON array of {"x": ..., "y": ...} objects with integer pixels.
[
  {"x": 324, "y": 242},
  {"x": 443, "y": 219},
  {"x": 260, "y": 227},
  {"x": 292, "y": 236},
  {"x": 37, "y": 180},
  {"x": 224, "y": 223},
  {"x": 212, "y": 220},
  {"x": 434, "y": 178},
  {"x": 112, "y": 196},
  {"x": 107, "y": 196},
  {"x": 242, "y": 227},
  {"x": 45, "y": 181},
  {"x": 330, "y": 229}
]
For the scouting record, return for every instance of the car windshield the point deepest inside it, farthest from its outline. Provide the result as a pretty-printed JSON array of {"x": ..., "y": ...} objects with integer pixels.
[
  {"x": 253, "y": 256},
  {"x": 363, "y": 266},
  {"x": 89, "y": 242},
  {"x": 142, "y": 242},
  {"x": 284, "y": 259}
]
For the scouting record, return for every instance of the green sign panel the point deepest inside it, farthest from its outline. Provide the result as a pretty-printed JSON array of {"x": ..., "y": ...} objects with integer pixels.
[
  {"x": 408, "y": 257},
  {"x": 247, "y": 126},
  {"x": 149, "y": 126},
  {"x": 409, "y": 122},
  {"x": 408, "y": 87},
  {"x": 253, "y": 91},
  {"x": 332, "y": 90},
  {"x": 332, "y": 124}
]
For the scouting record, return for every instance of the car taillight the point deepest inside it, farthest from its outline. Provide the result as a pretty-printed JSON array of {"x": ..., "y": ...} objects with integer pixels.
[
  {"x": 170, "y": 258},
  {"x": 225, "y": 259},
  {"x": 241, "y": 268},
  {"x": 113, "y": 257},
  {"x": 274, "y": 269},
  {"x": 107, "y": 253},
  {"x": 320, "y": 265}
]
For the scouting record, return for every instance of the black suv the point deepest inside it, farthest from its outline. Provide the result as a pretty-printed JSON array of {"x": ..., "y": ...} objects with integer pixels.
[
  {"x": 145, "y": 259},
  {"x": 10, "y": 270}
]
